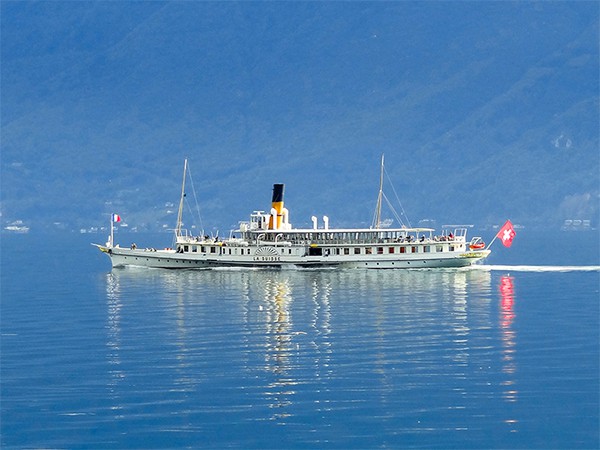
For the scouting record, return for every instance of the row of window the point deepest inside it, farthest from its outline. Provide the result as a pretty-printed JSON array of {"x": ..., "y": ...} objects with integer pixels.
[
  {"x": 390, "y": 250},
  {"x": 319, "y": 251},
  {"x": 215, "y": 250}
]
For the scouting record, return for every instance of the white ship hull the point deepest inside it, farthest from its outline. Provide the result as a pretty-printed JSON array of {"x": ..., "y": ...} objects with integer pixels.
[{"x": 170, "y": 259}]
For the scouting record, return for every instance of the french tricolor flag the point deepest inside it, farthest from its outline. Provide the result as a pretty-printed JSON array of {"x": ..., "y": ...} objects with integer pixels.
[{"x": 116, "y": 218}]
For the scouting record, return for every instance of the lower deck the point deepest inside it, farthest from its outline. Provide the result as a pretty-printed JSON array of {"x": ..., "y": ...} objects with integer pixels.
[{"x": 360, "y": 256}]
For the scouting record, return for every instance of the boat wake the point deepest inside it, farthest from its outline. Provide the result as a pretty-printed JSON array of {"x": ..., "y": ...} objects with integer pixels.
[{"x": 536, "y": 268}]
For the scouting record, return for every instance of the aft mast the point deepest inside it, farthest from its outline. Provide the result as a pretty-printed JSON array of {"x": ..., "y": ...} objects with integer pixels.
[
  {"x": 180, "y": 212},
  {"x": 379, "y": 198}
]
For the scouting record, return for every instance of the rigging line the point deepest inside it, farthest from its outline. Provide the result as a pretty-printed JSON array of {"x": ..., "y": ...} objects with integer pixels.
[
  {"x": 195, "y": 200},
  {"x": 189, "y": 208},
  {"x": 394, "y": 212},
  {"x": 397, "y": 198}
]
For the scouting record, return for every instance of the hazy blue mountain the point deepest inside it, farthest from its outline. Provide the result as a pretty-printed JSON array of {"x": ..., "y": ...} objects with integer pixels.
[{"x": 484, "y": 110}]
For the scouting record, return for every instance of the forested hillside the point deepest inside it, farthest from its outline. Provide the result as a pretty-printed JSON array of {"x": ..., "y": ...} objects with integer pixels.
[{"x": 483, "y": 110}]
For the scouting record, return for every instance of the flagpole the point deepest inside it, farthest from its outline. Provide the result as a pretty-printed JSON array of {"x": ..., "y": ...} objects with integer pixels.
[
  {"x": 490, "y": 244},
  {"x": 112, "y": 237}
]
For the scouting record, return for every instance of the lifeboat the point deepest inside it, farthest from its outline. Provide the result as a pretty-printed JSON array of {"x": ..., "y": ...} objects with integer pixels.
[{"x": 477, "y": 246}]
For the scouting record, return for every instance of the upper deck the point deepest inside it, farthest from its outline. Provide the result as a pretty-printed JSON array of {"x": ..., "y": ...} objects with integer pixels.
[{"x": 352, "y": 236}]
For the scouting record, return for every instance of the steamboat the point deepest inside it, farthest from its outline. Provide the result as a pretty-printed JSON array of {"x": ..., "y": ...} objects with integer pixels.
[{"x": 269, "y": 240}]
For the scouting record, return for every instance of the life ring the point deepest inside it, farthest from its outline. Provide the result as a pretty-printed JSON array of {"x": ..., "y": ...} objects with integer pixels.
[{"x": 478, "y": 246}]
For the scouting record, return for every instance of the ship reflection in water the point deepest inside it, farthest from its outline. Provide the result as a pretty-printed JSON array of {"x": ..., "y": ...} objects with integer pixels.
[
  {"x": 113, "y": 342},
  {"x": 279, "y": 345},
  {"x": 418, "y": 347}
]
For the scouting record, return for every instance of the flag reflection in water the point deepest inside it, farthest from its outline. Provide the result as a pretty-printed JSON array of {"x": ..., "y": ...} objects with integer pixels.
[
  {"x": 507, "y": 316},
  {"x": 507, "y": 301}
]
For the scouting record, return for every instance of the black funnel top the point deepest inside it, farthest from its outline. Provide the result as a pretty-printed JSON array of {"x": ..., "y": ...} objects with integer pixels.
[{"x": 277, "y": 193}]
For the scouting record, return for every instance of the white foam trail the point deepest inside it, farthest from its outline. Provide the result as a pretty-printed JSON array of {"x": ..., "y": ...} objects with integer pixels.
[{"x": 538, "y": 268}]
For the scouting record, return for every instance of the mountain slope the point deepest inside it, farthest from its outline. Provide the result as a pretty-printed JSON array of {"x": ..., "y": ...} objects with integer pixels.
[{"x": 484, "y": 111}]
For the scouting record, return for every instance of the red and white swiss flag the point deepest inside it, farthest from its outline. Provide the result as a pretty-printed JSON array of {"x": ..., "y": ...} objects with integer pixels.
[{"x": 506, "y": 234}]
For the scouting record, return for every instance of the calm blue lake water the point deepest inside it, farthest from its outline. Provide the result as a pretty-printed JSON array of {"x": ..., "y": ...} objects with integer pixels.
[{"x": 498, "y": 357}]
